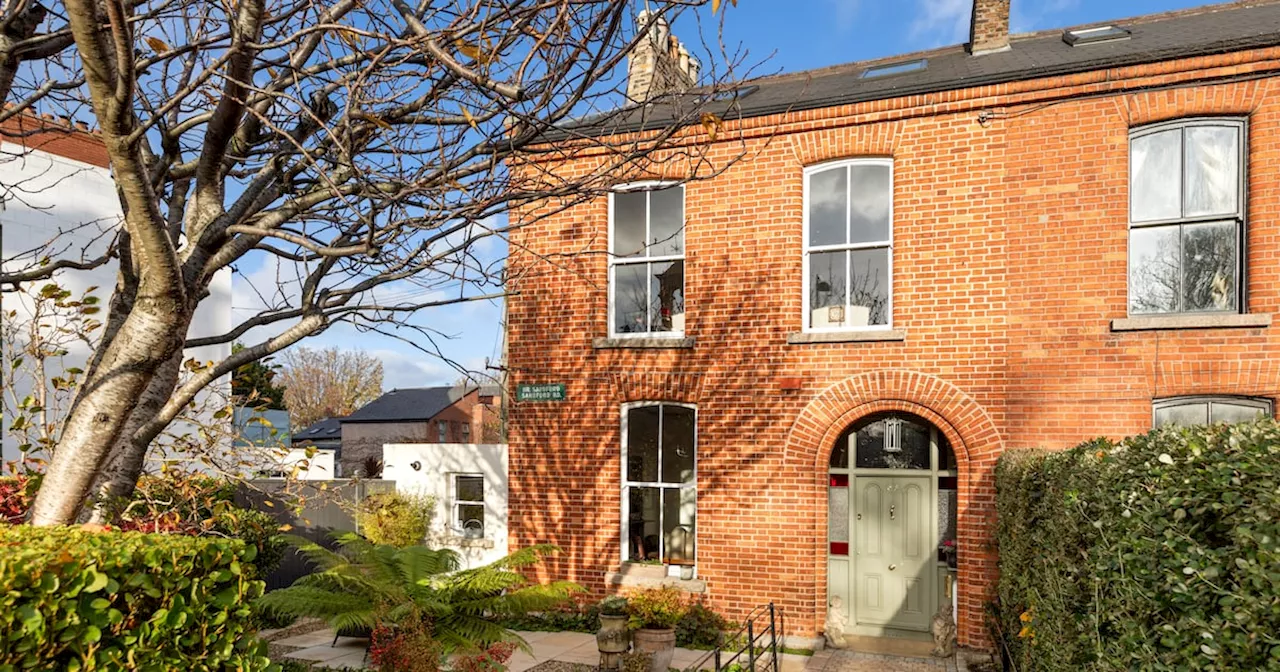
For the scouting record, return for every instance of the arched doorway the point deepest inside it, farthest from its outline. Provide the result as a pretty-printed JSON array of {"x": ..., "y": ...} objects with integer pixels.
[{"x": 891, "y": 523}]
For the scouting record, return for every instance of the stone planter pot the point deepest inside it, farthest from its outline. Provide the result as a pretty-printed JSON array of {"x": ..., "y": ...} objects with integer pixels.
[
  {"x": 613, "y": 640},
  {"x": 659, "y": 644}
]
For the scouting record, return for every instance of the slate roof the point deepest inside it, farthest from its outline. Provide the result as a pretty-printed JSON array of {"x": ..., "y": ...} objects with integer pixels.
[
  {"x": 328, "y": 429},
  {"x": 1213, "y": 29},
  {"x": 409, "y": 404}
]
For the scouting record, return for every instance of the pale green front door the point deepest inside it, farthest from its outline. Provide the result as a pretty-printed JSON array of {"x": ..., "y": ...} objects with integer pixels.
[{"x": 893, "y": 551}]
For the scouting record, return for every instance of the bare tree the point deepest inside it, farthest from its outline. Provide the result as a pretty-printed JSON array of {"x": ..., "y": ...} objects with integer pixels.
[
  {"x": 328, "y": 382},
  {"x": 358, "y": 149}
]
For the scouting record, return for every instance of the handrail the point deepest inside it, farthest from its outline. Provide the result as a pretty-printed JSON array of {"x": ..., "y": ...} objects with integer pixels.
[{"x": 752, "y": 638}]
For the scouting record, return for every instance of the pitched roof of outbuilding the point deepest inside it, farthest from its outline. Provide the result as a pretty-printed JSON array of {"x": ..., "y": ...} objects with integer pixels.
[{"x": 409, "y": 404}]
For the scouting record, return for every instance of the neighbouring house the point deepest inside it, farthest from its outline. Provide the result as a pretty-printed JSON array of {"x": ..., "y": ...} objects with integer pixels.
[
  {"x": 325, "y": 437},
  {"x": 55, "y": 181},
  {"x": 790, "y": 382},
  {"x": 453, "y": 414}
]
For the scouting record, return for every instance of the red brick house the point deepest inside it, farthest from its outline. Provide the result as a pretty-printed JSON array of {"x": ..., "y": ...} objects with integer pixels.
[{"x": 791, "y": 382}]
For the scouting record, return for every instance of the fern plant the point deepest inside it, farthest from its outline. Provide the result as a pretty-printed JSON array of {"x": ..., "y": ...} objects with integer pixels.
[{"x": 362, "y": 585}]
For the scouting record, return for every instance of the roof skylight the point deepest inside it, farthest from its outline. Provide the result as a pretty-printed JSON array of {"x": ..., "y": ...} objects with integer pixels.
[
  {"x": 898, "y": 68},
  {"x": 1081, "y": 36}
]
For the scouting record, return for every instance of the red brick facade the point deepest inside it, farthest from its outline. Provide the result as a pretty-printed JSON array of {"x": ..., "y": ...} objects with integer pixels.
[
  {"x": 1009, "y": 264},
  {"x": 55, "y": 136}
]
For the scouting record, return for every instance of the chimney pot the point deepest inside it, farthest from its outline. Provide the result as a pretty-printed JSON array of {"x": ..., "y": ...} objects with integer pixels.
[
  {"x": 658, "y": 64},
  {"x": 989, "y": 27}
]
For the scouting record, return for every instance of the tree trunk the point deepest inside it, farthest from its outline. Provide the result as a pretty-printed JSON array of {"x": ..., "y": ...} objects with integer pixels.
[{"x": 147, "y": 339}]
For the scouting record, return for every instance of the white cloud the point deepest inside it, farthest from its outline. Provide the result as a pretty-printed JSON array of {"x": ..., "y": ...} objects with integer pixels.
[{"x": 941, "y": 22}]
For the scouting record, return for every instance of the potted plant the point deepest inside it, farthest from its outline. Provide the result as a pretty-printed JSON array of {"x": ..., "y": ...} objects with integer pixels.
[
  {"x": 654, "y": 613},
  {"x": 613, "y": 639}
]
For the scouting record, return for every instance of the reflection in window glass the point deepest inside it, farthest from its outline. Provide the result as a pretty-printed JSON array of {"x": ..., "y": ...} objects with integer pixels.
[
  {"x": 647, "y": 268},
  {"x": 1221, "y": 411},
  {"x": 1178, "y": 263},
  {"x": 848, "y": 251},
  {"x": 660, "y": 493},
  {"x": 881, "y": 445},
  {"x": 1191, "y": 411}
]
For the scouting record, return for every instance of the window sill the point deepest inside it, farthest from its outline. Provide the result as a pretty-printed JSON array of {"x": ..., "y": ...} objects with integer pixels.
[
  {"x": 633, "y": 581},
  {"x": 1226, "y": 321},
  {"x": 847, "y": 336},
  {"x": 643, "y": 343},
  {"x": 465, "y": 542}
]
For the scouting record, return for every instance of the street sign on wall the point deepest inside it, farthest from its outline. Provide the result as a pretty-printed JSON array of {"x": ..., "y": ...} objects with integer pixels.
[{"x": 541, "y": 392}]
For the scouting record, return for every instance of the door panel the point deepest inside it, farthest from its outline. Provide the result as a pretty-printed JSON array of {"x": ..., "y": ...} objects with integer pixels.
[{"x": 892, "y": 523}]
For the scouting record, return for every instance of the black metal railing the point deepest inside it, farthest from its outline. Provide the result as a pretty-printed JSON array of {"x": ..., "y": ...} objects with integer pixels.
[{"x": 753, "y": 648}]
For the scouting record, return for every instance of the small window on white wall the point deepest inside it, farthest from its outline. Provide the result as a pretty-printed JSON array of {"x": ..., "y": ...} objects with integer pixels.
[
  {"x": 468, "y": 504},
  {"x": 1191, "y": 411}
]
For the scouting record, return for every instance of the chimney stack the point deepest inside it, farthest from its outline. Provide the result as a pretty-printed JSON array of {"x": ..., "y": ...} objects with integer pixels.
[
  {"x": 989, "y": 29},
  {"x": 659, "y": 64}
]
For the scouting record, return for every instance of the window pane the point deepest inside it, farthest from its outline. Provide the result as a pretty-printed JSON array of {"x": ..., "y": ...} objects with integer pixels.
[
  {"x": 642, "y": 444},
  {"x": 679, "y": 511},
  {"x": 869, "y": 287},
  {"x": 870, "y": 200},
  {"x": 471, "y": 518},
  {"x": 946, "y": 519},
  {"x": 470, "y": 488},
  {"x": 838, "y": 514},
  {"x": 1184, "y": 415},
  {"x": 840, "y": 454},
  {"x": 827, "y": 288},
  {"x": 828, "y": 191},
  {"x": 1209, "y": 261},
  {"x": 630, "y": 298},
  {"x": 666, "y": 292},
  {"x": 1213, "y": 170},
  {"x": 643, "y": 523},
  {"x": 628, "y": 223},
  {"x": 892, "y": 443},
  {"x": 946, "y": 457},
  {"x": 1155, "y": 181},
  {"x": 1153, "y": 270},
  {"x": 1224, "y": 411},
  {"x": 442, "y": 432},
  {"x": 677, "y": 444},
  {"x": 666, "y": 221}
]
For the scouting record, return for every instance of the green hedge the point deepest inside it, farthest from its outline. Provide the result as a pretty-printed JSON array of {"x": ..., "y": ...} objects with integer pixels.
[
  {"x": 73, "y": 600},
  {"x": 1161, "y": 552}
]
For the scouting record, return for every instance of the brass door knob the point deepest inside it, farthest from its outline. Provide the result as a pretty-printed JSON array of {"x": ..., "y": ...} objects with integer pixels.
[{"x": 892, "y": 567}]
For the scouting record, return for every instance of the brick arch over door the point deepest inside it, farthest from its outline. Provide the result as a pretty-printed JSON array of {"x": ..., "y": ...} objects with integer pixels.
[{"x": 973, "y": 437}]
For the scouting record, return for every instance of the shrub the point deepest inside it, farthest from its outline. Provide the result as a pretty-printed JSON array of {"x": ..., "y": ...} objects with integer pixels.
[
  {"x": 16, "y": 495},
  {"x": 1158, "y": 553},
  {"x": 614, "y": 605},
  {"x": 406, "y": 647},
  {"x": 125, "y": 600},
  {"x": 655, "y": 608},
  {"x": 396, "y": 519},
  {"x": 700, "y": 627}
]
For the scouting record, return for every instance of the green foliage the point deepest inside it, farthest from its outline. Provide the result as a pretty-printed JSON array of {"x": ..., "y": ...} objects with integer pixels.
[
  {"x": 73, "y": 600},
  {"x": 636, "y": 661},
  {"x": 614, "y": 605},
  {"x": 700, "y": 627},
  {"x": 364, "y": 585},
  {"x": 396, "y": 519},
  {"x": 655, "y": 608},
  {"x": 566, "y": 618},
  {"x": 252, "y": 384},
  {"x": 1161, "y": 552}
]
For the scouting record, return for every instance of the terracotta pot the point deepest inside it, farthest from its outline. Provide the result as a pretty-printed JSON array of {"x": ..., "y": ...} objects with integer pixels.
[
  {"x": 613, "y": 636},
  {"x": 659, "y": 644}
]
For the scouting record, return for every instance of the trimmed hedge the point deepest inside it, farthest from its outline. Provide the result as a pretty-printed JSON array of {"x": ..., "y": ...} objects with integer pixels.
[
  {"x": 74, "y": 600},
  {"x": 1161, "y": 552}
]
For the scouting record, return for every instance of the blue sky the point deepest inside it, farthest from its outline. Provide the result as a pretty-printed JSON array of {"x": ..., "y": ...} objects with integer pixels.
[{"x": 788, "y": 35}]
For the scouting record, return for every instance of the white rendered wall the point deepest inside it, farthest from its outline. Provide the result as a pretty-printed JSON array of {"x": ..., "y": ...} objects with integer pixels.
[
  {"x": 44, "y": 195},
  {"x": 438, "y": 462}
]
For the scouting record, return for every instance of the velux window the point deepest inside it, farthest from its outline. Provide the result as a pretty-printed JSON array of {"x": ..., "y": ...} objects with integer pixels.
[
  {"x": 659, "y": 490},
  {"x": 848, "y": 245},
  {"x": 646, "y": 262},
  {"x": 1186, "y": 217}
]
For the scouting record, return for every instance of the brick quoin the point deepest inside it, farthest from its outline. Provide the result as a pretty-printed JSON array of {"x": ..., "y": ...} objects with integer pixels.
[{"x": 1010, "y": 261}]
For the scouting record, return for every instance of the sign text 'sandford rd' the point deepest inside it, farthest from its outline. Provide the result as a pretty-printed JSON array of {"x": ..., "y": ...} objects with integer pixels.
[{"x": 542, "y": 392}]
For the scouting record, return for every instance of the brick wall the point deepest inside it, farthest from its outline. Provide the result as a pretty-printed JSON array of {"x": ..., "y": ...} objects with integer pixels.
[
  {"x": 1010, "y": 261},
  {"x": 55, "y": 136}
]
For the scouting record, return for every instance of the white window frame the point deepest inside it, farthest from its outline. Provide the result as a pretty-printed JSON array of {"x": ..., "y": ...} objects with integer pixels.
[
  {"x": 464, "y": 432},
  {"x": 455, "y": 521},
  {"x": 614, "y": 261},
  {"x": 1263, "y": 404},
  {"x": 625, "y": 520},
  {"x": 806, "y": 311},
  {"x": 1240, "y": 215}
]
